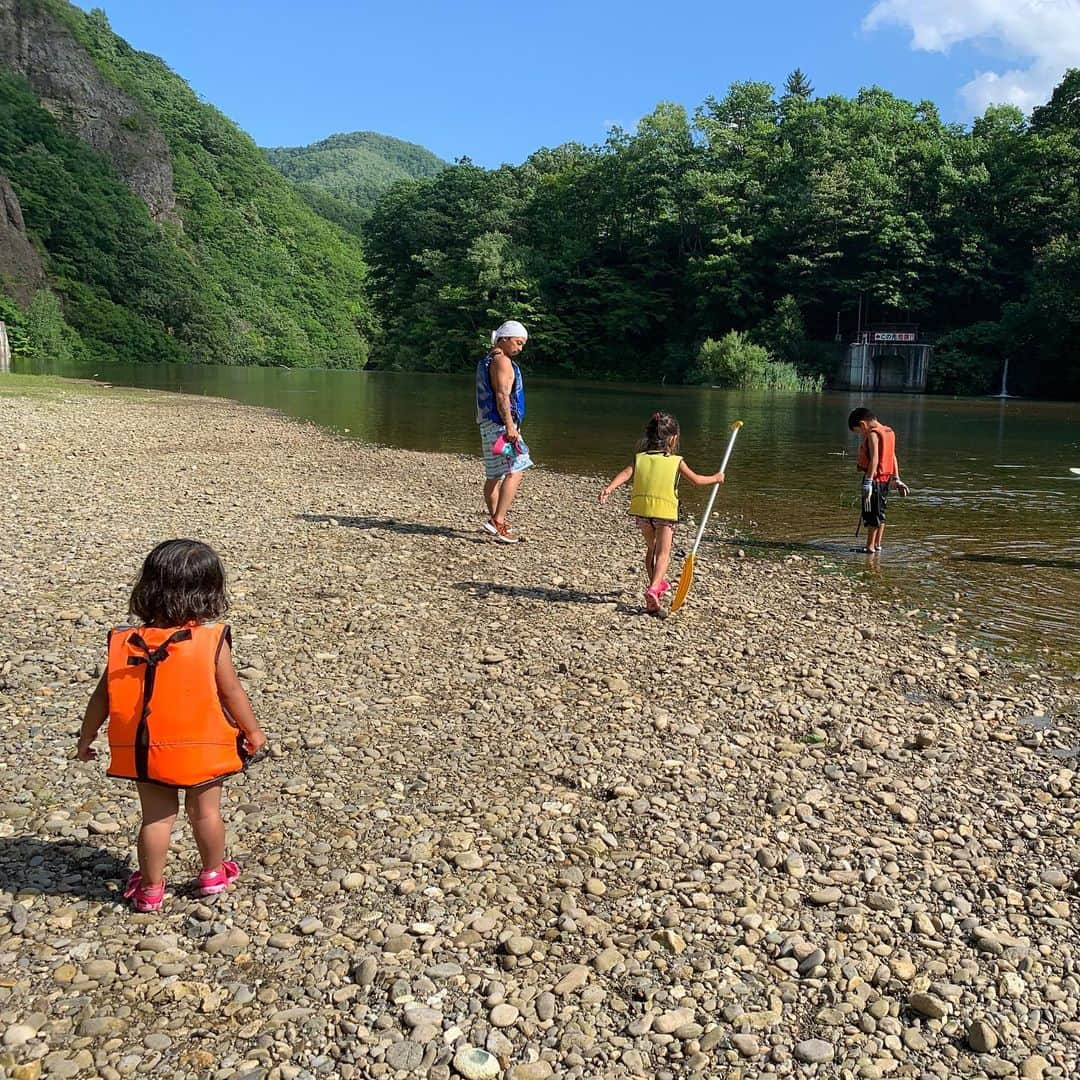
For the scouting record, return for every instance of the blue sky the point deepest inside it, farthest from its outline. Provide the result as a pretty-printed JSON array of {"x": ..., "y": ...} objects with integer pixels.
[{"x": 495, "y": 81}]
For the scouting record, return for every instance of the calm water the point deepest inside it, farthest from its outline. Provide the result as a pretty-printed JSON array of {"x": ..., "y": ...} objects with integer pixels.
[{"x": 994, "y": 513}]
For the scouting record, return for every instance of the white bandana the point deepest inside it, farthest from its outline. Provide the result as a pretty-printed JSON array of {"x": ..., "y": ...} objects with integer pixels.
[{"x": 509, "y": 329}]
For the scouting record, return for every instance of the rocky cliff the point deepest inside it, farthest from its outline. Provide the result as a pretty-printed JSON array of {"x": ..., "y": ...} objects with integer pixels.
[
  {"x": 103, "y": 145},
  {"x": 43, "y": 51},
  {"x": 21, "y": 269}
]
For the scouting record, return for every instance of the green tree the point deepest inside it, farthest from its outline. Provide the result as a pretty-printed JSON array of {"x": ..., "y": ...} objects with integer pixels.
[
  {"x": 766, "y": 215},
  {"x": 783, "y": 332},
  {"x": 798, "y": 85},
  {"x": 47, "y": 334}
]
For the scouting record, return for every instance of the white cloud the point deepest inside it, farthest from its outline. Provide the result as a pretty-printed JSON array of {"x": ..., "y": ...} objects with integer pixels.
[{"x": 1044, "y": 35}]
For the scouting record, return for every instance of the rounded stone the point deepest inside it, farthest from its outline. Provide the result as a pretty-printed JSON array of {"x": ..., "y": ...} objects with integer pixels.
[
  {"x": 404, "y": 1056},
  {"x": 981, "y": 1037},
  {"x": 476, "y": 1064},
  {"x": 503, "y": 1016},
  {"x": 533, "y": 1070},
  {"x": 747, "y": 1045},
  {"x": 813, "y": 1051},
  {"x": 18, "y": 1034},
  {"x": 518, "y": 945}
]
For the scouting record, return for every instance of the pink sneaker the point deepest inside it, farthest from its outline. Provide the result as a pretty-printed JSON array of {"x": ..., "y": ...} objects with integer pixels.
[
  {"x": 663, "y": 588},
  {"x": 143, "y": 898},
  {"x": 216, "y": 881},
  {"x": 652, "y": 601}
]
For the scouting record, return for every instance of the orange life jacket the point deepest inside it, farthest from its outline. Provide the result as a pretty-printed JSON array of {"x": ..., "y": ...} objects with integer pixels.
[
  {"x": 166, "y": 721},
  {"x": 886, "y": 467}
]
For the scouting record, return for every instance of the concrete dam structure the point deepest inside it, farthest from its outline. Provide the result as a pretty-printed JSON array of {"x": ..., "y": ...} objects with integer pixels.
[{"x": 888, "y": 357}]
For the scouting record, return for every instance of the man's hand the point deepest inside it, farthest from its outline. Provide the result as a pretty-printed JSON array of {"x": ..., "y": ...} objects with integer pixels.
[
  {"x": 84, "y": 751},
  {"x": 902, "y": 488}
]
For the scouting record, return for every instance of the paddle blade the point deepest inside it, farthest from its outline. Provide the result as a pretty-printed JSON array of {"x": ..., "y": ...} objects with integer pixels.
[{"x": 685, "y": 578}]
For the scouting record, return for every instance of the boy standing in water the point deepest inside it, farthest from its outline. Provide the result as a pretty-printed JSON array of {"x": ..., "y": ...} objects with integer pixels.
[{"x": 880, "y": 467}]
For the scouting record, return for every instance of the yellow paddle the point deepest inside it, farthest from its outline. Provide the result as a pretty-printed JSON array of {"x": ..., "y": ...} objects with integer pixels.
[{"x": 687, "y": 575}]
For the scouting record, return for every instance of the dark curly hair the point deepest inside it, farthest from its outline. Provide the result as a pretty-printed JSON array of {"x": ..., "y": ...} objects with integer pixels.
[
  {"x": 857, "y": 416},
  {"x": 181, "y": 582},
  {"x": 661, "y": 428}
]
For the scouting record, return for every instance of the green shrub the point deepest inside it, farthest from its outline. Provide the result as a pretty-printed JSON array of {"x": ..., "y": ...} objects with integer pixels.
[
  {"x": 48, "y": 335},
  {"x": 13, "y": 318},
  {"x": 736, "y": 362}
]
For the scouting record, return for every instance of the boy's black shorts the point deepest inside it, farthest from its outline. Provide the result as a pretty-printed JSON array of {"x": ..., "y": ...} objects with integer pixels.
[{"x": 879, "y": 496}]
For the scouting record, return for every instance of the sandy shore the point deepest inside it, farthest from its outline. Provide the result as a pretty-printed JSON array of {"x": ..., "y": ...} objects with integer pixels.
[{"x": 512, "y": 826}]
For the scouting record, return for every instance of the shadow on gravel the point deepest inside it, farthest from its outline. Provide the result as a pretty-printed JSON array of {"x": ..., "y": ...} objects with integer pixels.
[
  {"x": 61, "y": 868},
  {"x": 536, "y": 592},
  {"x": 1019, "y": 560},
  {"x": 415, "y": 528}
]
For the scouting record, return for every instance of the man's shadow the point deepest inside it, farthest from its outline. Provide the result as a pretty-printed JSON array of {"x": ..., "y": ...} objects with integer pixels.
[
  {"x": 414, "y": 528},
  {"x": 61, "y": 868}
]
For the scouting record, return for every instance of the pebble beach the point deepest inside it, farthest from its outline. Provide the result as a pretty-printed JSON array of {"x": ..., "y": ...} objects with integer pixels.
[{"x": 512, "y": 827}]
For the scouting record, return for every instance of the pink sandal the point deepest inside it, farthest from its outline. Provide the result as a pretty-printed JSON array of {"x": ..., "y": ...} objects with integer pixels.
[
  {"x": 143, "y": 898},
  {"x": 652, "y": 600},
  {"x": 212, "y": 882}
]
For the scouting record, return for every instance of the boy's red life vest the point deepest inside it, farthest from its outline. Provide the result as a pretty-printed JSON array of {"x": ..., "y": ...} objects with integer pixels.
[
  {"x": 166, "y": 721},
  {"x": 886, "y": 466}
]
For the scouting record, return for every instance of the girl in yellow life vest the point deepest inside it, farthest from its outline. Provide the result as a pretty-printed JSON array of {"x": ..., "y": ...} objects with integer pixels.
[
  {"x": 178, "y": 716},
  {"x": 654, "y": 498}
]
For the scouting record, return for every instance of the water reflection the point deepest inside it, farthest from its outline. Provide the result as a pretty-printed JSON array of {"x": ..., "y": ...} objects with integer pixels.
[{"x": 1020, "y": 560}]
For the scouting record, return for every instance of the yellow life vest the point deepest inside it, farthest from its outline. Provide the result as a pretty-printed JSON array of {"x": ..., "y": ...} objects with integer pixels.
[{"x": 654, "y": 494}]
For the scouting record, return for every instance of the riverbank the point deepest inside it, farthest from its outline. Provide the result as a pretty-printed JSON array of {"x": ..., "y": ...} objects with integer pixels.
[
  {"x": 506, "y": 810},
  {"x": 992, "y": 515}
]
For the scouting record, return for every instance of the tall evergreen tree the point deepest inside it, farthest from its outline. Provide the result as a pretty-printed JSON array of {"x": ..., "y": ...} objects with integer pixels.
[{"x": 798, "y": 85}]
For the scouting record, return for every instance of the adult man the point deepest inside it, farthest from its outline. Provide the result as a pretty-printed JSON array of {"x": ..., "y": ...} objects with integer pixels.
[
  {"x": 879, "y": 465},
  {"x": 500, "y": 408}
]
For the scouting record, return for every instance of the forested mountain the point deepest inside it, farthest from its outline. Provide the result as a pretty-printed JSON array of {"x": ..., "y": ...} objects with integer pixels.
[
  {"x": 343, "y": 176},
  {"x": 764, "y": 212},
  {"x": 161, "y": 228}
]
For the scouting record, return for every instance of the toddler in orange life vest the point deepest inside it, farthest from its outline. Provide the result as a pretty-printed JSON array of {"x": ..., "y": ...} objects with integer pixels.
[
  {"x": 178, "y": 716},
  {"x": 654, "y": 498},
  {"x": 880, "y": 467}
]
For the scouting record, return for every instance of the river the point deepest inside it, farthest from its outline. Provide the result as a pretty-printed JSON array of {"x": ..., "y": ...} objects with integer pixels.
[{"x": 992, "y": 524}]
